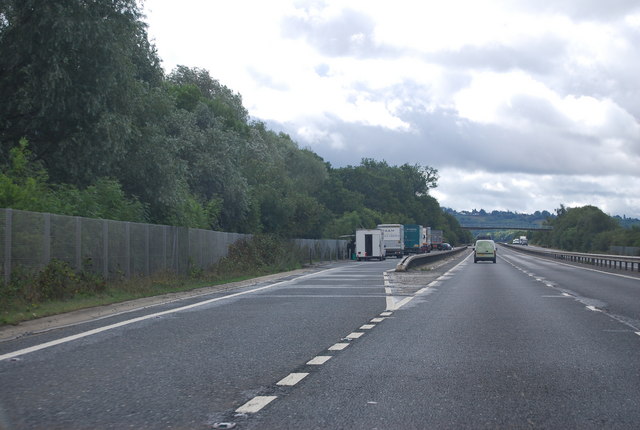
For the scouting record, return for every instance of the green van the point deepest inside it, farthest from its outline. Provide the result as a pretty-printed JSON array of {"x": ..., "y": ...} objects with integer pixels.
[{"x": 485, "y": 250}]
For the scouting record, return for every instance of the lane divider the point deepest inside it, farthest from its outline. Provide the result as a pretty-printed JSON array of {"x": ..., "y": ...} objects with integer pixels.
[
  {"x": 576, "y": 298},
  {"x": 259, "y": 402}
]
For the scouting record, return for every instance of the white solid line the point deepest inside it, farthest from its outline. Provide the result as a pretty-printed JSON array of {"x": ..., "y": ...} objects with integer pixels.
[
  {"x": 292, "y": 379},
  {"x": 254, "y": 405},
  {"x": 142, "y": 318},
  {"x": 338, "y": 347},
  {"x": 367, "y": 327},
  {"x": 319, "y": 360},
  {"x": 354, "y": 335},
  {"x": 401, "y": 303},
  {"x": 638, "y": 333}
]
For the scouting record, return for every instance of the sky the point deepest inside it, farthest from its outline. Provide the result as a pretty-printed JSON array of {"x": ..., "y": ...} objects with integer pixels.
[{"x": 521, "y": 105}]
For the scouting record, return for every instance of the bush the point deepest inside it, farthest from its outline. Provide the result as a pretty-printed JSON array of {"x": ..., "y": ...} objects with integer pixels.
[
  {"x": 57, "y": 281},
  {"x": 261, "y": 253}
]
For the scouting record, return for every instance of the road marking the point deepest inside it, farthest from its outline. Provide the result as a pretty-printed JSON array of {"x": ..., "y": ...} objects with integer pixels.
[
  {"x": 354, "y": 335},
  {"x": 254, "y": 405},
  {"x": 392, "y": 305},
  {"x": 377, "y": 320},
  {"x": 593, "y": 308},
  {"x": 367, "y": 327},
  {"x": 145, "y": 317},
  {"x": 292, "y": 379},
  {"x": 338, "y": 346},
  {"x": 386, "y": 314},
  {"x": 319, "y": 360}
]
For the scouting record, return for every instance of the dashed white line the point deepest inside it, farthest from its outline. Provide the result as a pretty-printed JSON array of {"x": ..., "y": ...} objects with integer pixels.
[
  {"x": 377, "y": 320},
  {"x": 367, "y": 327},
  {"x": 354, "y": 335},
  {"x": 319, "y": 360},
  {"x": 254, "y": 405},
  {"x": 593, "y": 308},
  {"x": 338, "y": 346},
  {"x": 386, "y": 314},
  {"x": 292, "y": 379}
]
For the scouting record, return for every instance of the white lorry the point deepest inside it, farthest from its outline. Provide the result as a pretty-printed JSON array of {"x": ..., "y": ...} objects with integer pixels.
[
  {"x": 393, "y": 239},
  {"x": 524, "y": 240},
  {"x": 369, "y": 244}
]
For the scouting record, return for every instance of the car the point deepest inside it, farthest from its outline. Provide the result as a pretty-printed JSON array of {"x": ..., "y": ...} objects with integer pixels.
[
  {"x": 516, "y": 241},
  {"x": 446, "y": 247},
  {"x": 484, "y": 250}
]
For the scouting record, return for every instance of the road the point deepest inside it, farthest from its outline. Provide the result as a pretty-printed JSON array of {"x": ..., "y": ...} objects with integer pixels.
[{"x": 524, "y": 343}]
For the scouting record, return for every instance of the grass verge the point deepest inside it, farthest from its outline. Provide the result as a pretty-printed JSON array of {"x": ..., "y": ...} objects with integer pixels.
[{"x": 58, "y": 289}]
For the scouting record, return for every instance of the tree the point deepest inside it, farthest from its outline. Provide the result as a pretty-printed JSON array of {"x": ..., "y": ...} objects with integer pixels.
[{"x": 71, "y": 72}]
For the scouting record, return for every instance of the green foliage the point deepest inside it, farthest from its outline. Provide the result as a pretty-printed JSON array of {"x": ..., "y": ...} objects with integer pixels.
[
  {"x": 57, "y": 281},
  {"x": 23, "y": 186},
  {"x": 263, "y": 253},
  {"x": 22, "y": 183},
  {"x": 586, "y": 229},
  {"x": 71, "y": 74}
]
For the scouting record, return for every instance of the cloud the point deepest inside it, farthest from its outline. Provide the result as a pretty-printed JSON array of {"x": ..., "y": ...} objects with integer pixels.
[
  {"x": 522, "y": 105},
  {"x": 346, "y": 33}
]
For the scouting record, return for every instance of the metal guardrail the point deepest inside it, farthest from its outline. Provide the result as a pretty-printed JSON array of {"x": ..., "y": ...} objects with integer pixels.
[
  {"x": 619, "y": 262},
  {"x": 417, "y": 260}
]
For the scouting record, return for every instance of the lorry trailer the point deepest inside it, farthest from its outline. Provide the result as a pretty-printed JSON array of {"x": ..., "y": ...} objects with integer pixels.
[
  {"x": 369, "y": 244},
  {"x": 393, "y": 240},
  {"x": 412, "y": 238}
]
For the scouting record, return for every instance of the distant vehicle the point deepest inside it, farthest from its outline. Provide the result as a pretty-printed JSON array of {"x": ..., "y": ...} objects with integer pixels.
[
  {"x": 436, "y": 239},
  {"x": 516, "y": 241},
  {"x": 393, "y": 241},
  {"x": 446, "y": 247},
  {"x": 485, "y": 250},
  {"x": 524, "y": 240},
  {"x": 412, "y": 238},
  {"x": 369, "y": 244}
]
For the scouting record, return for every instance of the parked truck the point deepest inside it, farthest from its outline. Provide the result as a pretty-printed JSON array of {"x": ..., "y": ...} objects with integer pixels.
[
  {"x": 436, "y": 239},
  {"x": 412, "y": 238},
  {"x": 369, "y": 244},
  {"x": 426, "y": 239},
  {"x": 393, "y": 239}
]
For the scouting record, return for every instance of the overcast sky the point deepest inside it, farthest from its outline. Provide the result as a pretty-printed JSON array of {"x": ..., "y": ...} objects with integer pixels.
[{"x": 520, "y": 105}]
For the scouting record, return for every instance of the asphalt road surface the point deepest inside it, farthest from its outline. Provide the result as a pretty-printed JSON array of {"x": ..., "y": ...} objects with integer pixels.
[{"x": 524, "y": 343}]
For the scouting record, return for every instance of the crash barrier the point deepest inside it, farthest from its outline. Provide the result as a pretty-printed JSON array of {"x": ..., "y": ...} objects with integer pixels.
[
  {"x": 117, "y": 249},
  {"x": 619, "y": 262},
  {"x": 417, "y": 260}
]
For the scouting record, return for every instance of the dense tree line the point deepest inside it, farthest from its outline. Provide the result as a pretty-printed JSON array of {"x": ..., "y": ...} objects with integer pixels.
[
  {"x": 90, "y": 125},
  {"x": 586, "y": 229}
]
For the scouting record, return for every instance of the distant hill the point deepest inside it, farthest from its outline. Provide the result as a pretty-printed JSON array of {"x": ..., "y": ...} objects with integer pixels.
[{"x": 627, "y": 222}]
